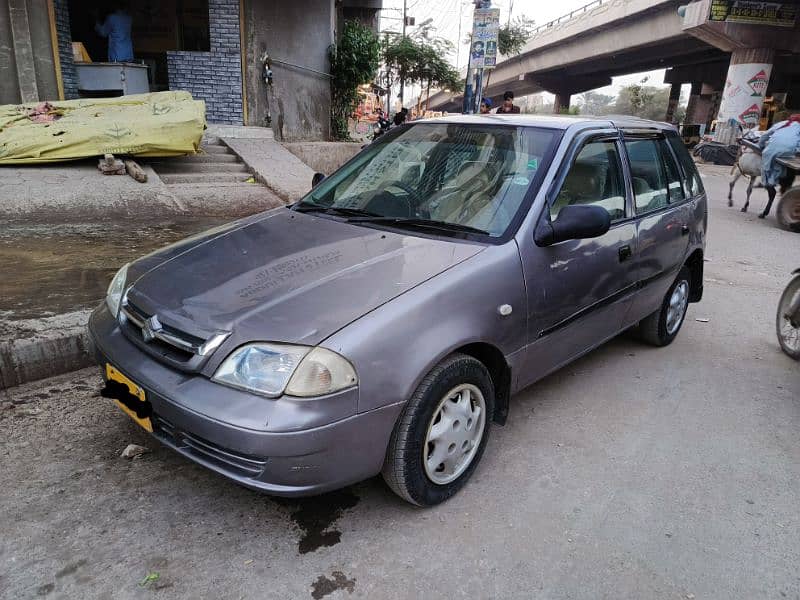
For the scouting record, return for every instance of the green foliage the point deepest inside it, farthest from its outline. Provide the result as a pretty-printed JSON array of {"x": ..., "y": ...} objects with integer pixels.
[
  {"x": 570, "y": 110},
  {"x": 593, "y": 103},
  {"x": 514, "y": 35},
  {"x": 354, "y": 61},
  {"x": 420, "y": 58},
  {"x": 647, "y": 102}
]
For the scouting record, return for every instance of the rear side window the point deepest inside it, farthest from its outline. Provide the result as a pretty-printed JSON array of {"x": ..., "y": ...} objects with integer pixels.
[
  {"x": 648, "y": 175},
  {"x": 692, "y": 182}
]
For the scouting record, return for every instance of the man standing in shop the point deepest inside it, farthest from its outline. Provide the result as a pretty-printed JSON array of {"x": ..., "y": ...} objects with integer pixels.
[{"x": 117, "y": 28}]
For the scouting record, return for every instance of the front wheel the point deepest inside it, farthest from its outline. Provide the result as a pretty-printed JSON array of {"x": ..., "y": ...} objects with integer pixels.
[
  {"x": 788, "y": 319},
  {"x": 442, "y": 432},
  {"x": 661, "y": 327}
]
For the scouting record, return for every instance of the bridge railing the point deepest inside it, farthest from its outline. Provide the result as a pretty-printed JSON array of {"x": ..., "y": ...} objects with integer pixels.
[{"x": 566, "y": 17}]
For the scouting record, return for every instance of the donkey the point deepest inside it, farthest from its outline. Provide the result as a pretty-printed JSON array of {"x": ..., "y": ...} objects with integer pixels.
[{"x": 748, "y": 164}]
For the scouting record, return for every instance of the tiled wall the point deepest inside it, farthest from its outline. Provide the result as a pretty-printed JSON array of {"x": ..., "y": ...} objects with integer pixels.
[{"x": 214, "y": 76}]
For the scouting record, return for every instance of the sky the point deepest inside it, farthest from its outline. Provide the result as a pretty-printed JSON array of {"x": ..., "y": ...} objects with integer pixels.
[{"x": 451, "y": 17}]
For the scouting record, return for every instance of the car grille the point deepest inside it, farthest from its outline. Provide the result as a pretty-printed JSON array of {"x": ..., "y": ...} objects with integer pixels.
[
  {"x": 178, "y": 347},
  {"x": 241, "y": 464}
]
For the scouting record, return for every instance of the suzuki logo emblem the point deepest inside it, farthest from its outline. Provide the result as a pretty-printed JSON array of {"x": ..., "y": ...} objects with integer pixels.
[{"x": 150, "y": 328}]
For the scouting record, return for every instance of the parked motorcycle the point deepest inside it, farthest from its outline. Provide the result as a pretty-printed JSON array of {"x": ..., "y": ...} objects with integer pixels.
[{"x": 788, "y": 318}]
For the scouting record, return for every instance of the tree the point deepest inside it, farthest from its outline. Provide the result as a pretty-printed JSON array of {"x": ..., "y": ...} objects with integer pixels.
[
  {"x": 419, "y": 57},
  {"x": 647, "y": 102},
  {"x": 514, "y": 35},
  {"x": 354, "y": 61},
  {"x": 594, "y": 103}
]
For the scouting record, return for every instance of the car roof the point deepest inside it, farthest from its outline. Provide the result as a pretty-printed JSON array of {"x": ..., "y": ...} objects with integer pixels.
[{"x": 550, "y": 121}]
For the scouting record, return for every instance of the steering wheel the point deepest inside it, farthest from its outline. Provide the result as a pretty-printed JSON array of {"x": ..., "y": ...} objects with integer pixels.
[{"x": 408, "y": 190}]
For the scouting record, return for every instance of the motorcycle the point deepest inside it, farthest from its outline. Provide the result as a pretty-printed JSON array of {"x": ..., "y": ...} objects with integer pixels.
[{"x": 788, "y": 318}]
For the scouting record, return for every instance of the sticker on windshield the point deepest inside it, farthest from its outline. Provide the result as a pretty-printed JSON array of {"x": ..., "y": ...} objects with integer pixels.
[
  {"x": 521, "y": 180},
  {"x": 533, "y": 164}
]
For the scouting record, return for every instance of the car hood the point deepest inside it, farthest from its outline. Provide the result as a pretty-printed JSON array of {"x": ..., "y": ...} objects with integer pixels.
[{"x": 286, "y": 277}]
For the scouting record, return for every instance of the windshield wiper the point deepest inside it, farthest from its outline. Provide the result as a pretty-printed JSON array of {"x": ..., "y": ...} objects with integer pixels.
[
  {"x": 334, "y": 210},
  {"x": 417, "y": 222}
]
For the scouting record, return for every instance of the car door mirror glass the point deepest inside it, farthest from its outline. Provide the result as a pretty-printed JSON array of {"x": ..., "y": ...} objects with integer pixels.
[{"x": 575, "y": 222}]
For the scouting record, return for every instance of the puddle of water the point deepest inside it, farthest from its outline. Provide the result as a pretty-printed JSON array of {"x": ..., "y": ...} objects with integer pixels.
[
  {"x": 53, "y": 268},
  {"x": 316, "y": 516},
  {"x": 324, "y": 585}
]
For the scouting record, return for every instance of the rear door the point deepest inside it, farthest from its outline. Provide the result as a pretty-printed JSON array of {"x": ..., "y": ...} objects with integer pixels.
[
  {"x": 663, "y": 215},
  {"x": 579, "y": 291}
]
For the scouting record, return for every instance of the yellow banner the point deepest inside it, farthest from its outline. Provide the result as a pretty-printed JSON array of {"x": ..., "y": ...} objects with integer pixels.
[{"x": 158, "y": 124}]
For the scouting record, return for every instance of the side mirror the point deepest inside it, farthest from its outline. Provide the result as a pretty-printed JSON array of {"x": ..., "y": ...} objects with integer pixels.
[
  {"x": 574, "y": 222},
  {"x": 316, "y": 179}
]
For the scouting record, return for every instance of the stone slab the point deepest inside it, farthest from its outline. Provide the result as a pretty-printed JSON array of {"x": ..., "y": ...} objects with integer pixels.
[{"x": 273, "y": 165}]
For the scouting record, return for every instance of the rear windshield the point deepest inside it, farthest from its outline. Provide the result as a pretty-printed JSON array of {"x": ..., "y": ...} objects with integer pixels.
[{"x": 469, "y": 175}]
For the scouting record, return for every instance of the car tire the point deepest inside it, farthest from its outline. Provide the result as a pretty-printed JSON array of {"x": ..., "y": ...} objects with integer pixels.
[
  {"x": 662, "y": 327},
  {"x": 456, "y": 397}
]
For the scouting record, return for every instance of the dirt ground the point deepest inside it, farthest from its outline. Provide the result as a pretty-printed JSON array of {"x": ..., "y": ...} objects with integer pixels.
[{"x": 632, "y": 473}]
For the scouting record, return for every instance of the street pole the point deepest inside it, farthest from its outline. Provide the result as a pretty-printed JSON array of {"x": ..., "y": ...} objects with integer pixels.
[
  {"x": 402, "y": 77},
  {"x": 467, "y": 108}
]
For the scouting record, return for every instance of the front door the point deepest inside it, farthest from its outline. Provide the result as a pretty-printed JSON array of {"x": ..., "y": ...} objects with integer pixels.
[{"x": 579, "y": 291}]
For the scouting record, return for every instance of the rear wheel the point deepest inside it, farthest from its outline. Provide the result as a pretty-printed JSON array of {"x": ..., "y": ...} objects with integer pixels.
[
  {"x": 788, "y": 211},
  {"x": 661, "y": 327},
  {"x": 442, "y": 432},
  {"x": 788, "y": 324}
]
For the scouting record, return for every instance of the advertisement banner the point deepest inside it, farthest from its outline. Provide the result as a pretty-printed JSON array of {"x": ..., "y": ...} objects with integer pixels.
[
  {"x": 485, "y": 31},
  {"x": 744, "y": 93},
  {"x": 779, "y": 14}
]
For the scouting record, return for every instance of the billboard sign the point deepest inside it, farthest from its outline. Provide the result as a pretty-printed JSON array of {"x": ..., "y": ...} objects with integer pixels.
[
  {"x": 779, "y": 14},
  {"x": 485, "y": 32}
]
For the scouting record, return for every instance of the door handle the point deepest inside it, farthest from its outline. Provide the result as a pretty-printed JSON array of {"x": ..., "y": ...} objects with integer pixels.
[
  {"x": 685, "y": 230},
  {"x": 625, "y": 253}
]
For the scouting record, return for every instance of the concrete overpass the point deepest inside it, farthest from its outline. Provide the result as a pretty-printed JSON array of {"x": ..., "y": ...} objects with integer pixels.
[
  {"x": 607, "y": 38},
  {"x": 584, "y": 51}
]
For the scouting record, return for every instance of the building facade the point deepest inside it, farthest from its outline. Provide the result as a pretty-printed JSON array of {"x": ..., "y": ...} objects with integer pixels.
[{"x": 215, "y": 49}]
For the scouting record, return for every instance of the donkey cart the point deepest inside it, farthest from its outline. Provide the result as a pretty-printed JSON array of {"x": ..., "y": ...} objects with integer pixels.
[{"x": 788, "y": 209}]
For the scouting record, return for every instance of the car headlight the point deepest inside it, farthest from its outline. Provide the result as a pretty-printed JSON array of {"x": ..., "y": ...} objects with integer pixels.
[
  {"x": 275, "y": 369},
  {"x": 115, "y": 290}
]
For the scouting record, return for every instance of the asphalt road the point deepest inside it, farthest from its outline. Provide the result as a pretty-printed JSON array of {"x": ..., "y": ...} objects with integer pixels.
[{"x": 632, "y": 473}]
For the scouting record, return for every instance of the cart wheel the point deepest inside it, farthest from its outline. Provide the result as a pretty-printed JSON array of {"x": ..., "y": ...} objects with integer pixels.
[{"x": 788, "y": 210}]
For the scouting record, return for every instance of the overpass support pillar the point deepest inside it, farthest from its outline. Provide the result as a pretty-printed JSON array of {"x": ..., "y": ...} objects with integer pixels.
[
  {"x": 745, "y": 87},
  {"x": 674, "y": 98},
  {"x": 561, "y": 102}
]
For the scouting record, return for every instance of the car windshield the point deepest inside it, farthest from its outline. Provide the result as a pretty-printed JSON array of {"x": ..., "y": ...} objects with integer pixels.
[{"x": 453, "y": 177}]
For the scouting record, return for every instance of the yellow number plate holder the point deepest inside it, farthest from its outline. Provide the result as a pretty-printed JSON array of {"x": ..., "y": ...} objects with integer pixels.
[{"x": 114, "y": 375}]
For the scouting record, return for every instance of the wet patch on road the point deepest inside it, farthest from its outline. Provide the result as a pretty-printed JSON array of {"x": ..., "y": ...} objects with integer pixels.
[
  {"x": 53, "y": 268},
  {"x": 316, "y": 517},
  {"x": 324, "y": 585}
]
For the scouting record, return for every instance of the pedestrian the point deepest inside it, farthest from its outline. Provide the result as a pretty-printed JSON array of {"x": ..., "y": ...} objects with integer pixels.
[
  {"x": 117, "y": 28},
  {"x": 508, "y": 106},
  {"x": 400, "y": 117},
  {"x": 486, "y": 106}
]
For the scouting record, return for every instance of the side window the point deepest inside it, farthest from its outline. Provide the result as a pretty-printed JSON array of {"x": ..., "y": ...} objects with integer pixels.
[
  {"x": 647, "y": 173},
  {"x": 594, "y": 178},
  {"x": 692, "y": 183},
  {"x": 674, "y": 183}
]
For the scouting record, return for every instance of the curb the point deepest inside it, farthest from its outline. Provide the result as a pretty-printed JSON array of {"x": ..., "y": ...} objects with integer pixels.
[{"x": 51, "y": 346}]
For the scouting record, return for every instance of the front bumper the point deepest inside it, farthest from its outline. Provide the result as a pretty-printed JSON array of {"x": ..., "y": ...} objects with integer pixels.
[{"x": 283, "y": 446}]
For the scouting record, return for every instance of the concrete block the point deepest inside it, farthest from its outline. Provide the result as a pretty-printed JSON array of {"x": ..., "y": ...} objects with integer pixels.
[{"x": 39, "y": 348}]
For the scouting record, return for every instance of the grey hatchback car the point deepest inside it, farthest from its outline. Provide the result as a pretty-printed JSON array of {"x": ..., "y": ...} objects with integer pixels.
[{"x": 382, "y": 323}]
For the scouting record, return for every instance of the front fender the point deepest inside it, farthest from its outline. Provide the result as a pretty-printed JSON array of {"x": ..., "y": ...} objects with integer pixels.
[{"x": 396, "y": 345}]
